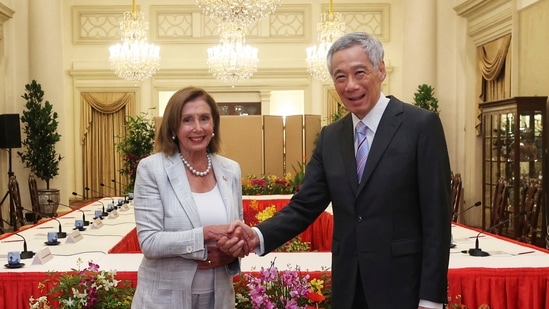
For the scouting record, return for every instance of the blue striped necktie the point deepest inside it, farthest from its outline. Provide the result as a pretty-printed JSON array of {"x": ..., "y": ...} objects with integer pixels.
[{"x": 362, "y": 148}]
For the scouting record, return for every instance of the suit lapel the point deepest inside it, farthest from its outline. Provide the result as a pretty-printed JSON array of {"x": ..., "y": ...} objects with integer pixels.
[
  {"x": 223, "y": 178},
  {"x": 388, "y": 126},
  {"x": 348, "y": 150},
  {"x": 180, "y": 184}
]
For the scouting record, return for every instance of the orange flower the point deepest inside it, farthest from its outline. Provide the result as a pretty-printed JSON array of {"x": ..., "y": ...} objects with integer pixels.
[{"x": 316, "y": 297}]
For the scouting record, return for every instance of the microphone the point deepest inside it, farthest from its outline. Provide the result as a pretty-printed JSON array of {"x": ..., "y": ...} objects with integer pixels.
[
  {"x": 119, "y": 183},
  {"x": 104, "y": 212},
  {"x": 455, "y": 215},
  {"x": 25, "y": 254},
  {"x": 60, "y": 234},
  {"x": 126, "y": 201},
  {"x": 76, "y": 194},
  {"x": 92, "y": 190},
  {"x": 83, "y": 214},
  {"x": 104, "y": 185},
  {"x": 476, "y": 251}
]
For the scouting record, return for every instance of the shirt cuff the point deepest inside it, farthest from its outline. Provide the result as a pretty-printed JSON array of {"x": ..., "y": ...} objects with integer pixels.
[
  {"x": 429, "y": 304},
  {"x": 259, "y": 250}
]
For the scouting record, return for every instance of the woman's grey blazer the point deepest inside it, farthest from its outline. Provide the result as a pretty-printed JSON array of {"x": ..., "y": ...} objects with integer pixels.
[{"x": 170, "y": 232}]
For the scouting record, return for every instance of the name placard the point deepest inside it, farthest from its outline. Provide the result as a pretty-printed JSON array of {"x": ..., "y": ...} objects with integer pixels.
[
  {"x": 42, "y": 256},
  {"x": 73, "y": 237},
  {"x": 97, "y": 224},
  {"x": 113, "y": 214}
]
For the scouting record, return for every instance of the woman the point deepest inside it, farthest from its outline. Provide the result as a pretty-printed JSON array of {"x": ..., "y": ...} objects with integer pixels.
[{"x": 185, "y": 195}]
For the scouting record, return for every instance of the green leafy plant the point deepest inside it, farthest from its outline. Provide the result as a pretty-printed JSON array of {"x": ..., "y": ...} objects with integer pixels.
[
  {"x": 425, "y": 98},
  {"x": 137, "y": 144},
  {"x": 40, "y": 128},
  {"x": 88, "y": 288},
  {"x": 339, "y": 113}
]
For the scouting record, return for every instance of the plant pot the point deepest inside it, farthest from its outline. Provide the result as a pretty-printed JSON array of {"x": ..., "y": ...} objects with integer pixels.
[{"x": 48, "y": 200}]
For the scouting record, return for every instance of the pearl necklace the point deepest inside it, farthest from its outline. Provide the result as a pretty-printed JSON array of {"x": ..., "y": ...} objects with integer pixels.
[{"x": 194, "y": 171}]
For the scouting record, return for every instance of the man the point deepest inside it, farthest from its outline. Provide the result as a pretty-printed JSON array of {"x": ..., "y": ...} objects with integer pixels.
[{"x": 392, "y": 225}]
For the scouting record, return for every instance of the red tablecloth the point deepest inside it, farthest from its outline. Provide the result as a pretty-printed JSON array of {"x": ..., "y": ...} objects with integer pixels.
[{"x": 319, "y": 234}]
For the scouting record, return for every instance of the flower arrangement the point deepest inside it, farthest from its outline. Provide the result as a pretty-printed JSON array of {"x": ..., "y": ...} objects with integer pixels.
[
  {"x": 267, "y": 184},
  {"x": 272, "y": 184},
  {"x": 293, "y": 245},
  {"x": 88, "y": 288},
  {"x": 291, "y": 289}
]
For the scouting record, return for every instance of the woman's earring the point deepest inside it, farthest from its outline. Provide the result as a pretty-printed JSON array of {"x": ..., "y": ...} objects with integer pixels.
[
  {"x": 213, "y": 134},
  {"x": 173, "y": 138}
]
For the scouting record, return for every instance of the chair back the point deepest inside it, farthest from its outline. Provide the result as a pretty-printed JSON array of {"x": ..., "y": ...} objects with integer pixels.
[
  {"x": 16, "y": 208},
  {"x": 531, "y": 203},
  {"x": 499, "y": 204},
  {"x": 456, "y": 195},
  {"x": 33, "y": 190}
]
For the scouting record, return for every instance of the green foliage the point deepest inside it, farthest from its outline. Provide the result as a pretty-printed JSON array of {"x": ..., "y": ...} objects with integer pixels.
[
  {"x": 40, "y": 128},
  {"x": 425, "y": 98},
  {"x": 137, "y": 144},
  {"x": 341, "y": 111},
  {"x": 299, "y": 175}
]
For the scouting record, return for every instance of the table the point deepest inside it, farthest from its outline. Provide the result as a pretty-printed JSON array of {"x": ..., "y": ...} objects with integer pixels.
[
  {"x": 17, "y": 285},
  {"x": 515, "y": 275},
  {"x": 319, "y": 234},
  {"x": 502, "y": 280}
]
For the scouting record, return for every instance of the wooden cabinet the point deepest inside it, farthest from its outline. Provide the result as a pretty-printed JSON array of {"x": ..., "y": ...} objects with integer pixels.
[
  {"x": 514, "y": 137},
  {"x": 239, "y": 109}
]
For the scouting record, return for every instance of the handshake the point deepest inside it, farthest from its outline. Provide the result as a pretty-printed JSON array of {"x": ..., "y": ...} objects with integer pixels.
[{"x": 235, "y": 239}]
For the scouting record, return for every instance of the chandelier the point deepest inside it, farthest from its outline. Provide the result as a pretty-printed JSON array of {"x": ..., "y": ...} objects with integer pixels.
[
  {"x": 244, "y": 12},
  {"x": 134, "y": 58},
  {"x": 232, "y": 61},
  {"x": 330, "y": 28}
]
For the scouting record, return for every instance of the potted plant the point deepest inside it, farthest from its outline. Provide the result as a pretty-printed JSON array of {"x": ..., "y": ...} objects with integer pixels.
[
  {"x": 39, "y": 153},
  {"x": 137, "y": 144},
  {"x": 425, "y": 98}
]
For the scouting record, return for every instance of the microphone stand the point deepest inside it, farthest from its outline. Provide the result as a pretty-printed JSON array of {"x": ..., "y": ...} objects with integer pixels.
[
  {"x": 465, "y": 210},
  {"x": 89, "y": 189},
  {"x": 105, "y": 186},
  {"x": 455, "y": 216},
  {"x": 122, "y": 186},
  {"x": 476, "y": 251},
  {"x": 60, "y": 234},
  {"x": 25, "y": 254},
  {"x": 104, "y": 214},
  {"x": 86, "y": 223}
]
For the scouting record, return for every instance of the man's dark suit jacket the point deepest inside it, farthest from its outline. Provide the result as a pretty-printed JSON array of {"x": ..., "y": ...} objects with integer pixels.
[{"x": 392, "y": 229}]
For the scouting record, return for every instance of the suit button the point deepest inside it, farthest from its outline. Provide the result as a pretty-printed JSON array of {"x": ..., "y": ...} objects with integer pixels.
[
  {"x": 189, "y": 249},
  {"x": 359, "y": 218}
]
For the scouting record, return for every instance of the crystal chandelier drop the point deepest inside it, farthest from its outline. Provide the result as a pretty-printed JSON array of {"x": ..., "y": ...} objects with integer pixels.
[
  {"x": 244, "y": 12},
  {"x": 330, "y": 28},
  {"x": 134, "y": 58},
  {"x": 232, "y": 61}
]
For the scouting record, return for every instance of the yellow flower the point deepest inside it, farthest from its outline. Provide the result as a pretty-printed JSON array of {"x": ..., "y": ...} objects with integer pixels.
[
  {"x": 266, "y": 213},
  {"x": 317, "y": 285}
]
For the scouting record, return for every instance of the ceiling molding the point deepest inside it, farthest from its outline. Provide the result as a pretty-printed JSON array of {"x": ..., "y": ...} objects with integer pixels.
[{"x": 487, "y": 20}]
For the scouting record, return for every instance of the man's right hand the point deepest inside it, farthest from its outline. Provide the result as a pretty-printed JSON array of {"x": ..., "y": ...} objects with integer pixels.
[{"x": 239, "y": 241}]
